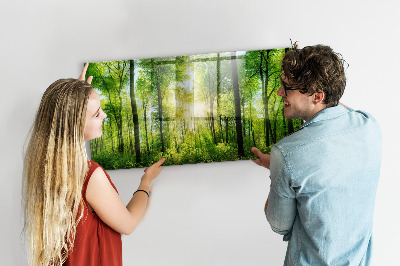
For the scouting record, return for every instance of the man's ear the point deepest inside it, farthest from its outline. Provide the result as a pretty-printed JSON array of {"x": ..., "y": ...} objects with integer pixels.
[{"x": 318, "y": 97}]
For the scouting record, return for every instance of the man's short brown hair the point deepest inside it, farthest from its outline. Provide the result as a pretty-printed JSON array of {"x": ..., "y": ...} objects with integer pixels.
[{"x": 316, "y": 69}]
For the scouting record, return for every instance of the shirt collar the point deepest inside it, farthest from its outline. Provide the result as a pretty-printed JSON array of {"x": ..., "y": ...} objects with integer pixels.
[{"x": 326, "y": 114}]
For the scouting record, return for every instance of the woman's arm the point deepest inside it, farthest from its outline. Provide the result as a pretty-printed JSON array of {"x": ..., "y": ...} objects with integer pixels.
[{"x": 108, "y": 205}]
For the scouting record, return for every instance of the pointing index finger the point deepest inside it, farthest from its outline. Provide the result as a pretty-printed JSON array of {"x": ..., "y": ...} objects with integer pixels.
[{"x": 161, "y": 161}]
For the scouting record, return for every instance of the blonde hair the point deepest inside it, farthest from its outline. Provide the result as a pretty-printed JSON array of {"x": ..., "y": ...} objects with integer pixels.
[{"x": 55, "y": 167}]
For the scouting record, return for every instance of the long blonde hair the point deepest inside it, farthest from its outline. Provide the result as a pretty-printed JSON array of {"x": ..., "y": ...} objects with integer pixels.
[{"x": 55, "y": 167}]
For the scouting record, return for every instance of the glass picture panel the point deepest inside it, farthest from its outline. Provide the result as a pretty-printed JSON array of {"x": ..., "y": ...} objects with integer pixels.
[{"x": 189, "y": 109}]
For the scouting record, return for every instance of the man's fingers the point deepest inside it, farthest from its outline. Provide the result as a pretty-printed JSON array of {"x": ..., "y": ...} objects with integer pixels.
[
  {"x": 89, "y": 80},
  {"x": 257, "y": 152}
]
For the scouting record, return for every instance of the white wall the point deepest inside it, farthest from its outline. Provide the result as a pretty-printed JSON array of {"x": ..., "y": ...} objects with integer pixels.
[{"x": 208, "y": 214}]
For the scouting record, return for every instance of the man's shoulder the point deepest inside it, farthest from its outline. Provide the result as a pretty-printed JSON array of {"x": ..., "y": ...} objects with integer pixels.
[
  {"x": 365, "y": 116},
  {"x": 326, "y": 127},
  {"x": 362, "y": 123},
  {"x": 292, "y": 143}
]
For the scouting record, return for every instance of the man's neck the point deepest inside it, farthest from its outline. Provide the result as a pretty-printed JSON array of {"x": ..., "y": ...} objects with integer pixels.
[{"x": 318, "y": 108}]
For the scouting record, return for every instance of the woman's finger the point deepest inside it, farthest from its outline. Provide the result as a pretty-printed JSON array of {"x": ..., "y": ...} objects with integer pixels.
[
  {"x": 83, "y": 74},
  {"x": 89, "y": 80}
]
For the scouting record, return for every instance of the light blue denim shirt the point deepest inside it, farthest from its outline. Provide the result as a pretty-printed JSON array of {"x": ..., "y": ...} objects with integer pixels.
[{"x": 323, "y": 184}]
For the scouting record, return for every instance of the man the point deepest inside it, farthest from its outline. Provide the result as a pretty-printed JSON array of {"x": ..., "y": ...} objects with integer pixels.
[{"x": 324, "y": 176}]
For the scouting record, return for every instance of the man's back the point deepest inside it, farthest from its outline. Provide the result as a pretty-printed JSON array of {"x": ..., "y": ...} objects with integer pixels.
[{"x": 328, "y": 172}]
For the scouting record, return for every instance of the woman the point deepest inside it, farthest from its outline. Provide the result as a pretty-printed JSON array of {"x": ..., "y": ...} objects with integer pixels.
[{"x": 73, "y": 213}]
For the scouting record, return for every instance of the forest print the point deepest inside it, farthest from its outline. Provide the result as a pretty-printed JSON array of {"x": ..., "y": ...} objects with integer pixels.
[{"x": 189, "y": 109}]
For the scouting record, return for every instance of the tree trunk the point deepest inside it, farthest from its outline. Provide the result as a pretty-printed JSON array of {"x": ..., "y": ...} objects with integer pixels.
[
  {"x": 112, "y": 138},
  {"x": 238, "y": 117},
  {"x": 101, "y": 143},
  {"x": 160, "y": 110},
  {"x": 243, "y": 118},
  {"x": 251, "y": 126},
  {"x": 121, "y": 145},
  {"x": 120, "y": 139},
  {"x": 212, "y": 125},
  {"x": 135, "y": 117},
  {"x": 226, "y": 129},
  {"x": 145, "y": 128},
  {"x": 115, "y": 114},
  {"x": 274, "y": 131},
  {"x": 219, "y": 95},
  {"x": 267, "y": 122},
  {"x": 290, "y": 126}
]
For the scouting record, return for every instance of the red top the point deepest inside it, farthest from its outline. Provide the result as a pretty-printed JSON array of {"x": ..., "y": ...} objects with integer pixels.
[{"x": 95, "y": 242}]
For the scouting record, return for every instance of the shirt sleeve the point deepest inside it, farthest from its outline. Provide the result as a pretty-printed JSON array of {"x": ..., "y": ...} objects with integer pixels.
[{"x": 281, "y": 210}]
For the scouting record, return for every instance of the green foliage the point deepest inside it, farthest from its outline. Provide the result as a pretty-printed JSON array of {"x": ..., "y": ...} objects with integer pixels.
[{"x": 185, "y": 105}]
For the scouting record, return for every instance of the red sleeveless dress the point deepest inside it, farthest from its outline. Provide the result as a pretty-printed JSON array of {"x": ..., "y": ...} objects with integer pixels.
[{"x": 95, "y": 242}]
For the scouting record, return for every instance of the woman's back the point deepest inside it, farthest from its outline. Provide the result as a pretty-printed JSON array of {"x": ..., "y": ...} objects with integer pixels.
[{"x": 95, "y": 242}]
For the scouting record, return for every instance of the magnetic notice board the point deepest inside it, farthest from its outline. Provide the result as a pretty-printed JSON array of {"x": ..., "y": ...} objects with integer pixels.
[{"x": 189, "y": 109}]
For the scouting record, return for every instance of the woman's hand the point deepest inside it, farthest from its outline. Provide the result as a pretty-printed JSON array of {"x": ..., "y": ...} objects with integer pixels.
[
  {"x": 150, "y": 173},
  {"x": 83, "y": 74},
  {"x": 107, "y": 204}
]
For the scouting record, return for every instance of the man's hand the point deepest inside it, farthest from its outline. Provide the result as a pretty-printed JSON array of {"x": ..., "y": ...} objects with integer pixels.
[
  {"x": 266, "y": 206},
  {"x": 83, "y": 74},
  {"x": 263, "y": 158}
]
